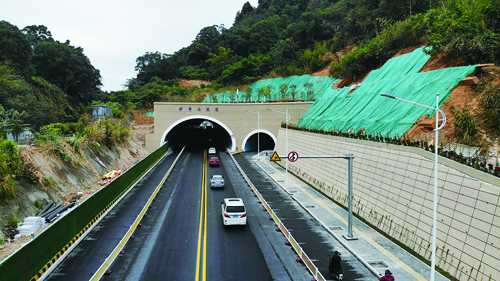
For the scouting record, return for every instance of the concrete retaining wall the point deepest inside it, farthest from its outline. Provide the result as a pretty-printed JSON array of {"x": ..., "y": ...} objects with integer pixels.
[{"x": 393, "y": 190}]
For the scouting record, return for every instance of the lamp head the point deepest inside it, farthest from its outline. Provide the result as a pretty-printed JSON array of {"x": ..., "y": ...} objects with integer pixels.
[{"x": 388, "y": 96}]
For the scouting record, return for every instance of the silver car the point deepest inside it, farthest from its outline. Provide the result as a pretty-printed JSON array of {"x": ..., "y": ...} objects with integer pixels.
[{"x": 217, "y": 181}]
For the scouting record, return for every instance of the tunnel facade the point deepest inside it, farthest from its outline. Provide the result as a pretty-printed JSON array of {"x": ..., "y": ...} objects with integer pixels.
[{"x": 236, "y": 126}]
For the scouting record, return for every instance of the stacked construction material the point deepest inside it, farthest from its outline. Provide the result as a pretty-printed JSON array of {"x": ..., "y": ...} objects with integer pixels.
[
  {"x": 29, "y": 226},
  {"x": 50, "y": 212}
]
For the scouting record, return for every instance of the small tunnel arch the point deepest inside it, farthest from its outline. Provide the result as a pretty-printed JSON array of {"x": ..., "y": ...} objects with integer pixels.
[{"x": 251, "y": 141}]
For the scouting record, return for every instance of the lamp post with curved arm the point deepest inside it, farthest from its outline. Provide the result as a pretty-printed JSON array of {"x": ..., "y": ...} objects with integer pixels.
[
  {"x": 286, "y": 146},
  {"x": 258, "y": 129},
  {"x": 434, "y": 213}
]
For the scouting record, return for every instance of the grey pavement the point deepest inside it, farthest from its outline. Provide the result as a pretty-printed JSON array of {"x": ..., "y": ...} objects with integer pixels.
[{"x": 370, "y": 247}]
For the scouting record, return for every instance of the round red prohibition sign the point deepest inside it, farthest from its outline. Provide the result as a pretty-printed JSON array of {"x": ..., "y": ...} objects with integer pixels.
[{"x": 293, "y": 156}]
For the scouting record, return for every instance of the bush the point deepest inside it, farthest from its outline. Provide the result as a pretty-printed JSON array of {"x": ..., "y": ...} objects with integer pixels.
[
  {"x": 491, "y": 107},
  {"x": 10, "y": 167},
  {"x": 56, "y": 129},
  {"x": 37, "y": 204},
  {"x": 466, "y": 129},
  {"x": 13, "y": 221},
  {"x": 49, "y": 182}
]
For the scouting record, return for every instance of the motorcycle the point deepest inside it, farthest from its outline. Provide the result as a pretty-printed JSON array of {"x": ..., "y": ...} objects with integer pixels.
[{"x": 336, "y": 273}]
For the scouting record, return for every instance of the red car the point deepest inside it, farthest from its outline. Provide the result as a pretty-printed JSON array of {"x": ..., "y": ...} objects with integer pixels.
[{"x": 214, "y": 161}]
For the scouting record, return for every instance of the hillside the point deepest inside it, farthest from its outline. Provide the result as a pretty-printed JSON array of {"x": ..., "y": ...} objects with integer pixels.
[{"x": 50, "y": 179}]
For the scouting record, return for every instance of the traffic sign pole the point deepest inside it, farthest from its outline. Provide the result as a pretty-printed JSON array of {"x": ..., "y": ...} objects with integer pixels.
[{"x": 349, "y": 157}]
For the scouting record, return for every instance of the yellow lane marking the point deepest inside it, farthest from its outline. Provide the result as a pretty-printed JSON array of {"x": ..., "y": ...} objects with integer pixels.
[
  {"x": 202, "y": 232},
  {"x": 360, "y": 233},
  {"x": 205, "y": 188}
]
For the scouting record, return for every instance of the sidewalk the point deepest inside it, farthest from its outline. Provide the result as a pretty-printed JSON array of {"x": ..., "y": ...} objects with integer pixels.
[{"x": 370, "y": 247}]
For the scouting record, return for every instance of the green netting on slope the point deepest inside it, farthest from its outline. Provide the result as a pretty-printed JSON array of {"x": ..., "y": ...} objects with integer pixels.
[
  {"x": 400, "y": 66},
  {"x": 320, "y": 85},
  {"x": 365, "y": 108}
]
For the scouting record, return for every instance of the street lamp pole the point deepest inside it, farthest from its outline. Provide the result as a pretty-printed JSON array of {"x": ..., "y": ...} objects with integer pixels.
[
  {"x": 286, "y": 146},
  {"x": 258, "y": 129},
  {"x": 436, "y": 138}
]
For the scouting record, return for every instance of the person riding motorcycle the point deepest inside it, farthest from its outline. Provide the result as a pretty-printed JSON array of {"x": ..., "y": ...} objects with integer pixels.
[
  {"x": 335, "y": 266},
  {"x": 387, "y": 277}
]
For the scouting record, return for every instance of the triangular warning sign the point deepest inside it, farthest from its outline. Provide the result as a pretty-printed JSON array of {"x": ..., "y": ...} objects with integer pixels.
[{"x": 275, "y": 157}]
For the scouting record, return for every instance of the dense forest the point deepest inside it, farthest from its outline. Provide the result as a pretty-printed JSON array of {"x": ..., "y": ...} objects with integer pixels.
[
  {"x": 44, "y": 81},
  {"x": 53, "y": 81}
]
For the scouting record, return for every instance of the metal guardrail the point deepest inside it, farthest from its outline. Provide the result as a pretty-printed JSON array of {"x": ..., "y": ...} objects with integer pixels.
[
  {"x": 300, "y": 252},
  {"x": 344, "y": 244}
]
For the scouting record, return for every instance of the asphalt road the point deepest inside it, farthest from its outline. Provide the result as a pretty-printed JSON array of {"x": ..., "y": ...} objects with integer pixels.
[
  {"x": 172, "y": 244},
  {"x": 317, "y": 243},
  {"x": 84, "y": 260},
  {"x": 166, "y": 246}
]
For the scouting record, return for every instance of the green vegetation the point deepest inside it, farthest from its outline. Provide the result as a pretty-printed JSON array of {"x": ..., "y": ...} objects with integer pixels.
[
  {"x": 51, "y": 84},
  {"x": 491, "y": 105},
  {"x": 13, "y": 221},
  {"x": 466, "y": 127},
  {"x": 37, "y": 204},
  {"x": 11, "y": 167}
]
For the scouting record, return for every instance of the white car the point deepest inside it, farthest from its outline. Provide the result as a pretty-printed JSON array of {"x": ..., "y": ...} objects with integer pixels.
[
  {"x": 216, "y": 181},
  {"x": 211, "y": 150},
  {"x": 233, "y": 211}
]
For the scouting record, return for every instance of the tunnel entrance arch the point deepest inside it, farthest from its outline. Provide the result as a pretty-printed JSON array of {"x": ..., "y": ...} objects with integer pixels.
[
  {"x": 250, "y": 142},
  {"x": 232, "y": 147}
]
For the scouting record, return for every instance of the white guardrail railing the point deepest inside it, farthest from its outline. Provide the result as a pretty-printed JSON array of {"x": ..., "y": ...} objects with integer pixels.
[
  {"x": 301, "y": 254},
  {"x": 111, "y": 258}
]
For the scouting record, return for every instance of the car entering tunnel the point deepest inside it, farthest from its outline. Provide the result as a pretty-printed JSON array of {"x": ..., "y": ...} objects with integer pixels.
[{"x": 193, "y": 129}]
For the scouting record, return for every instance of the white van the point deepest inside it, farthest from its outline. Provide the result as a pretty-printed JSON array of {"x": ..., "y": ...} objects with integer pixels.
[{"x": 233, "y": 211}]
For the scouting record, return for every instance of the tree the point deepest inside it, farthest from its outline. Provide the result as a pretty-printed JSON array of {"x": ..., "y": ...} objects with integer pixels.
[
  {"x": 245, "y": 11},
  {"x": 14, "y": 119},
  {"x": 261, "y": 92},
  {"x": 283, "y": 89},
  {"x": 15, "y": 49},
  {"x": 232, "y": 95},
  {"x": 209, "y": 37},
  {"x": 37, "y": 34},
  {"x": 309, "y": 90},
  {"x": 293, "y": 91},
  {"x": 267, "y": 92},
  {"x": 148, "y": 58},
  {"x": 263, "y": 35},
  {"x": 69, "y": 69},
  {"x": 220, "y": 62},
  {"x": 248, "y": 94}
]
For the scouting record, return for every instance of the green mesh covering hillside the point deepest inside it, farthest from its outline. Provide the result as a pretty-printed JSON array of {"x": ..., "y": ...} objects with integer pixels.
[
  {"x": 320, "y": 84},
  {"x": 365, "y": 108}
]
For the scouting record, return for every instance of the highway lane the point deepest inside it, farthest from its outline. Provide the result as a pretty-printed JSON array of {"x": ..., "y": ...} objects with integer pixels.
[
  {"x": 166, "y": 246},
  {"x": 84, "y": 260},
  {"x": 233, "y": 252},
  {"x": 312, "y": 237}
]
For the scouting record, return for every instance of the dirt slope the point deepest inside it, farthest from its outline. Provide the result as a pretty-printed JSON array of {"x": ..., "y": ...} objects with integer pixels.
[{"x": 53, "y": 180}]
